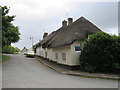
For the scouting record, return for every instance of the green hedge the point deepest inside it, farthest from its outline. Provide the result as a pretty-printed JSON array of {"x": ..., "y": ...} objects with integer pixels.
[
  {"x": 9, "y": 50},
  {"x": 101, "y": 53}
]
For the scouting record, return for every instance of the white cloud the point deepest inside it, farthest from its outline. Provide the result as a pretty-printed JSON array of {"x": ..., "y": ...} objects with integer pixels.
[
  {"x": 38, "y": 16},
  {"x": 35, "y": 8},
  {"x": 42, "y": 8}
]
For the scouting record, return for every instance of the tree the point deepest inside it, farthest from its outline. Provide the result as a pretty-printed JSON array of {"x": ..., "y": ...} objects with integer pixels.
[
  {"x": 101, "y": 53},
  {"x": 10, "y": 33}
]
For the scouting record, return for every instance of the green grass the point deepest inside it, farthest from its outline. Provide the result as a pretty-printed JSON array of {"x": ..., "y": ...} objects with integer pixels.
[{"x": 3, "y": 58}]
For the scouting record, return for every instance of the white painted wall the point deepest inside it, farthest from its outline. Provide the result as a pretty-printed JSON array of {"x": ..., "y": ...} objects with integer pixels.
[
  {"x": 75, "y": 54},
  {"x": 37, "y": 51},
  {"x": 40, "y": 51},
  {"x": 72, "y": 56},
  {"x": 49, "y": 53},
  {"x": 63, "y": 49}
]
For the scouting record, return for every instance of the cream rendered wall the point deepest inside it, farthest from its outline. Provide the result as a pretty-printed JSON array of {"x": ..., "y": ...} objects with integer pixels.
[
  {"x": 63, "y": 49},
  {"x": 37, "y": 51},
  {"x": 43, "y": 50},
  {"x": 75, "y": 55},
  {"x": 72, "y": 56},
  {"x": 40, "y": 51},
  {"x": 49, "y": 53}
]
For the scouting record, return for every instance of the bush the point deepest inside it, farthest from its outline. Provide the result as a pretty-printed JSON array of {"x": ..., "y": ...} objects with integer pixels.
[
  {"x": 9, "y": 50},
  {"x": 101, "y": 53}
]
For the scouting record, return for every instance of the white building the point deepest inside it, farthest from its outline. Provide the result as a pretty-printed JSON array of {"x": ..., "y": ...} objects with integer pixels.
[{"x": 64, "y": 45}]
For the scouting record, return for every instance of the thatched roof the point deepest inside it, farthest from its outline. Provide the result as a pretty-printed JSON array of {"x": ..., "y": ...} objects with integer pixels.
[{"x": 78, "y": 30}]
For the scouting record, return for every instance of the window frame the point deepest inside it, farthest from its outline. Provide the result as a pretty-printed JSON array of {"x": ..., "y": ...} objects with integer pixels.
[
  {"x": 64, "y": 56},
  {"x": 56, "y": 56},
  {"x": 75, "y": 48}
]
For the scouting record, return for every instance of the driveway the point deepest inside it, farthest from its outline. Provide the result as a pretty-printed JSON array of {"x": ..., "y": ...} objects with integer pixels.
[{"x": 22, "y": 72}]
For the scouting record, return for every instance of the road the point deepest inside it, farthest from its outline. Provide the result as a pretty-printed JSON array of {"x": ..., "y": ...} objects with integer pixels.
[{"x": 22, "y": 72}]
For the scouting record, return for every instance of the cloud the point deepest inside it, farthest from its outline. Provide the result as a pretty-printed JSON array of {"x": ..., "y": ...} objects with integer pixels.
[
  {"x": 103, "y": 14},
  {"x": 38, "y": 16},
  {"x": 36, "y": 8}
]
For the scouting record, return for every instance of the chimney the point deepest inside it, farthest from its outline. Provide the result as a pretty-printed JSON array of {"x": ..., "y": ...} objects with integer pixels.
[
  {"x": 45, "y": 34},
  {"x": 70, "y": 20},
  {"x": 64, "y": 23}
]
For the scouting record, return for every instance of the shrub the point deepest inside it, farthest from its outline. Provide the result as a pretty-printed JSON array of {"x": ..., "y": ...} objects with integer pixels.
[
  {"x": 9, "y": 50},
  {"x": 101, "y": 53}
]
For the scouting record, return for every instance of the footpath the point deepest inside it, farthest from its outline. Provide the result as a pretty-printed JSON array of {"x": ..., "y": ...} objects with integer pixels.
[{"x": 62, "y": 70}]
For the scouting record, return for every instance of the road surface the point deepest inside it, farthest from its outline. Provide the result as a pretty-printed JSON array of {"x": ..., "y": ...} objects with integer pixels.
[{"x": 22, "y": 72}]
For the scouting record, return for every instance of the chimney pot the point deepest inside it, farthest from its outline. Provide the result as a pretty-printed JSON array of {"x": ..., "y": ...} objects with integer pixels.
[
  {"x": 45, "y": 34},
  {"x": 70, "y": 20},
  {"x": 64, "y": 23}
]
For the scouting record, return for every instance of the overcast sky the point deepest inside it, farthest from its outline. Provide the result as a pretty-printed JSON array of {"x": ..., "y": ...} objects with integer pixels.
[{"x": 34, "y": 17}]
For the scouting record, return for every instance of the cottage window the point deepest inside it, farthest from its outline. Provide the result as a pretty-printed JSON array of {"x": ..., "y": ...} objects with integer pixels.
[
  {"x": 45, "y": 54},
  {"x": 56, "y": 55},
  {"x": 77, "y": 48},
  {"x": 64, "y": 56}
]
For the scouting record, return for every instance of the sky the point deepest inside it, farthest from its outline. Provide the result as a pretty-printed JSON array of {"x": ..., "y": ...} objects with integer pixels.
[{"x": 34, "y": 17}]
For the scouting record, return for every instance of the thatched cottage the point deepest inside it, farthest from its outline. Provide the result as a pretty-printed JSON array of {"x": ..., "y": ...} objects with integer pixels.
[{"x": 64, "y": 45}]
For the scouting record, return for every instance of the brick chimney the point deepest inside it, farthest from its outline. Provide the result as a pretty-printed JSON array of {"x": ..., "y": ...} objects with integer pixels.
[
  {"x": 45, "y": 34},
  {"x": 64, "y": 23},
  {"x": 70, "y": 20}
]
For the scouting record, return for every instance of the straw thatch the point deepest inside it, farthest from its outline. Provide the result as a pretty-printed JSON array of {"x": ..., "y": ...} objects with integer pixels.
[{"x": 78, "y": 30}]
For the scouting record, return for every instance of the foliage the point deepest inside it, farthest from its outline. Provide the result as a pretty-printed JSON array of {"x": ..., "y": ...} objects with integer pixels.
[
  {"x": 10, "y": 33},
  {"x": 101, "y": 53},
  {"x": 10, "y": 50}
]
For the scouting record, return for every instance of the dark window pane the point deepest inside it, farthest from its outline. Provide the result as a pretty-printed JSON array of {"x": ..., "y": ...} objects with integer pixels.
[
  {"x": 77, "y": 48},
  {"x": 64, "y": 56},
  {"x": 56, "y": 55}
]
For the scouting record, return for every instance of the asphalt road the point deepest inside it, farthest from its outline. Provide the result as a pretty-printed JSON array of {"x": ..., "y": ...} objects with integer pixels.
[{"x": 22, "y": 72}]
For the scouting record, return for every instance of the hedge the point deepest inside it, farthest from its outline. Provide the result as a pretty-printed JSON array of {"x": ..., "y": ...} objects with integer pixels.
[
  {"x": 101, "y": 53},
  {"x": 9, "y": 50}
]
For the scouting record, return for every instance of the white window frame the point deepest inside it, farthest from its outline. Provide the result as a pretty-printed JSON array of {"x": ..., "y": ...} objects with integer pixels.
[{"x": 77, "y": 51}]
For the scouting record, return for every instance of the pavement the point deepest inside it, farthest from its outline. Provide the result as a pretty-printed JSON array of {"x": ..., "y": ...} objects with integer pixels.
[{"x": 63, "y": 70}]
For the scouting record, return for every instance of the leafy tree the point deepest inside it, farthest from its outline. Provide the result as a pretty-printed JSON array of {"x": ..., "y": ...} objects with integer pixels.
[
  {"x": 101, "y": 53},
  {"x": 10, "y": 33}
]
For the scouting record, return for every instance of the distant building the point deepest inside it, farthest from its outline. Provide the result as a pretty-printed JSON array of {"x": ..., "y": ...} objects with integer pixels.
[
  {"x": 64, "y": 45},
  {"x": 24, "y": 50},
  {"x": 30, "y": 49}
]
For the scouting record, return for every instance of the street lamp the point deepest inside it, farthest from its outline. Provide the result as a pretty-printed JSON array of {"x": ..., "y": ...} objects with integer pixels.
[{"x": 32, "y": 40}]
